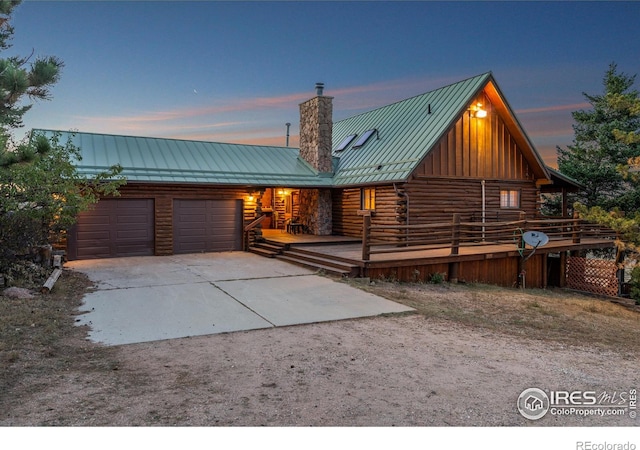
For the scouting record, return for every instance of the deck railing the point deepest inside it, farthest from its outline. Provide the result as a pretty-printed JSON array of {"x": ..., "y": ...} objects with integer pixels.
[
  {"x": 249, "y": 231},
  {"x": 452, "y": 235}
]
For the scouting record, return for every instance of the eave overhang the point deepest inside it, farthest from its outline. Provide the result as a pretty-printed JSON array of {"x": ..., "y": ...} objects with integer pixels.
[{"x": 514, "y": 126}]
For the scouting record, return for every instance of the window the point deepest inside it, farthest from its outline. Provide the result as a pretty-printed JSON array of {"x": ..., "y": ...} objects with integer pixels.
[
  {"x": 368, "y": 199},
  {"x": 346, "y": 141},
  {"x": 509, "y": 198},
  {"x": 364, "y": 138}
]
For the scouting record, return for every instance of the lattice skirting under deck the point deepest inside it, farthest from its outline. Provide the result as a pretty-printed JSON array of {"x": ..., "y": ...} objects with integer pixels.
[{"x": 592, "y": 275}]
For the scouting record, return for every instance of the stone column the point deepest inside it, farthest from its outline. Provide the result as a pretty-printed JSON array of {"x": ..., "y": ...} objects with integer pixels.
[{"x": 316, "y": 211}]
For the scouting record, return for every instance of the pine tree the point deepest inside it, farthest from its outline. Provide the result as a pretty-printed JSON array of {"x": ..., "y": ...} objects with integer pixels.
[
  {"x": 41, "y": 191},
  {"x": 21, "y": 79},
  {"x": 606, "y": 140},
  {"x": 605, "y": 157}
]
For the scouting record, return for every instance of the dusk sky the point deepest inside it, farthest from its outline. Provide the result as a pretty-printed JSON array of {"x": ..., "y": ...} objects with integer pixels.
[{"x": 236, "y": 71}]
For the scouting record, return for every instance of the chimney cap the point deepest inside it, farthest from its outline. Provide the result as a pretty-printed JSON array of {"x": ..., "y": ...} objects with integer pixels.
[{"x": 319, "y": 88}]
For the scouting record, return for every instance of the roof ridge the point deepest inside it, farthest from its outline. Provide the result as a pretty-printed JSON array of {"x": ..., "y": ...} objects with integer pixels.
[{"x": 162, "y": 138}]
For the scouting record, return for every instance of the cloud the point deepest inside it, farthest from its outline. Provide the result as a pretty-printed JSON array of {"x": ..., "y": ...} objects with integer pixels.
[
  {"x": 260, "y": 120},
  {"x": 237, "y": 105},
  {"x": 234, "y": 112},
  {"x": 549, "y": 155},
  {"x": 257, "y": 136}
]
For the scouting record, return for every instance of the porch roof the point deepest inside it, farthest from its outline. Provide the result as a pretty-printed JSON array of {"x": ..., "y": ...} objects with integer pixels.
[{"x": 561, "y": 181}]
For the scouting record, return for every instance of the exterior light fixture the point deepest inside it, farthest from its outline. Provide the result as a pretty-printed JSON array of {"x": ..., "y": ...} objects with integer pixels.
[{"x": 477, "y": 111}]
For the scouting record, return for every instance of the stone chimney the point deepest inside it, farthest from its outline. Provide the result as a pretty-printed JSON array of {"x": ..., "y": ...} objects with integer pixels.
[{"x": 316, "y": 123}]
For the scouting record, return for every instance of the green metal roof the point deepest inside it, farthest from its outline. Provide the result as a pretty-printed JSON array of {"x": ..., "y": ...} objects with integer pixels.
[
  {"x": 407, "y": 130},
  {"x": 405, "y": 133},
  {"x": 146, "y": 159}
]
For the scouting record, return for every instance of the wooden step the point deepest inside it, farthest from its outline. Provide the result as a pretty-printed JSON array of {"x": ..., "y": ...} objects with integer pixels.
[
  {"x": 308, "y": 251},
  {"x": 316, "y": 266},
  {"x": 263, "y": 252},
  {"x": 275, "y": 243},
  {"x": 323, "y": 262},
  {"x": 268, "y": 246},
  {"x": 319, "y": 259}
]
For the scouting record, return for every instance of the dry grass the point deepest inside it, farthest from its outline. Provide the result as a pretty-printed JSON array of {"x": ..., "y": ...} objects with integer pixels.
[
  {"x": 38, "y": 338},
  {"x": 552, "y": 315}
]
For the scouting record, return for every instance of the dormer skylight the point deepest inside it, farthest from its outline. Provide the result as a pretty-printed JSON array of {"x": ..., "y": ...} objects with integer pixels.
[
  {"x": 346, "y": 141},
  {"x": 364, "y": 138}
]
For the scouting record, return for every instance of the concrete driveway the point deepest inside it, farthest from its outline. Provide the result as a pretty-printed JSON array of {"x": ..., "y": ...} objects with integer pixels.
[{"x": 141, "y": 299}]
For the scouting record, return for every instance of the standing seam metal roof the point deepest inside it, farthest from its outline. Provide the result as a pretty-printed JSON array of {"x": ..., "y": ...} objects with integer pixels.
[
  {"x": 147, "y": 159},
  {"x": 407, "y": 131}
]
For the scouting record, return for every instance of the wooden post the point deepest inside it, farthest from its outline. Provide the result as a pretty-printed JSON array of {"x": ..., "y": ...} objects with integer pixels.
[
  {"x": 563, "y": 269},
  {"x": 522, "y": 275},
  {"x": 455, "y": 234},
  {"x": 576, "y": 228},
  {"x": 46, "y": 288},
  {"x": 45, "y": 255},
  {"x": 521, "y": 272},
  {"x": 620, "y": 272},
  {"x": 258, "y": 213},
  {"x": 454, "y": 269},
  {"x": 522, "y": 217},
  {"x": 366, "y": 230}
]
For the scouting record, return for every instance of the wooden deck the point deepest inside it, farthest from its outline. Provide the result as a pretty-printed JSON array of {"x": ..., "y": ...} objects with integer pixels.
[
  {"x": 350, "y": 249},
  {"x": 494, "y": 263},
  {"x": 283, "y": 237}
]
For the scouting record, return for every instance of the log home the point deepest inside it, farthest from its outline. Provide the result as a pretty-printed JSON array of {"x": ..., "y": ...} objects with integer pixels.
[{"x": 406, "y": 179}]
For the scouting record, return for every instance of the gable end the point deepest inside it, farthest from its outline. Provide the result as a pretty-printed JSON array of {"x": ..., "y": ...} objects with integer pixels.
[{"x": 491, "y": 147}]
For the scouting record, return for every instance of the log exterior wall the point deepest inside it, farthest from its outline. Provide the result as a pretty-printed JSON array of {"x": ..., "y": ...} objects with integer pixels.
[
  {"x": 346, "y": 204},
  {"x": 163, "y": 196},
  {"x": 436, "y": 199}
]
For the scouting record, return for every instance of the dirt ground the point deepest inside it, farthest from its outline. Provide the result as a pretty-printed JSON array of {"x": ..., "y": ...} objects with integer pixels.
[{"x": 408, "y": 370}]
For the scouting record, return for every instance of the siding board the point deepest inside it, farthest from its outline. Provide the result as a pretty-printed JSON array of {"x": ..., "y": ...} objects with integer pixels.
[
  {"x": 499, "y": 271},
  {"x": 478, "y": 148}
]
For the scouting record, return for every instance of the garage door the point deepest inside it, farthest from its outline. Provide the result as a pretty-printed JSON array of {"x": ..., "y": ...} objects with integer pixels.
[
  {"x": 114, "y": 228},
  {"x": 207, "y": 226}
]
